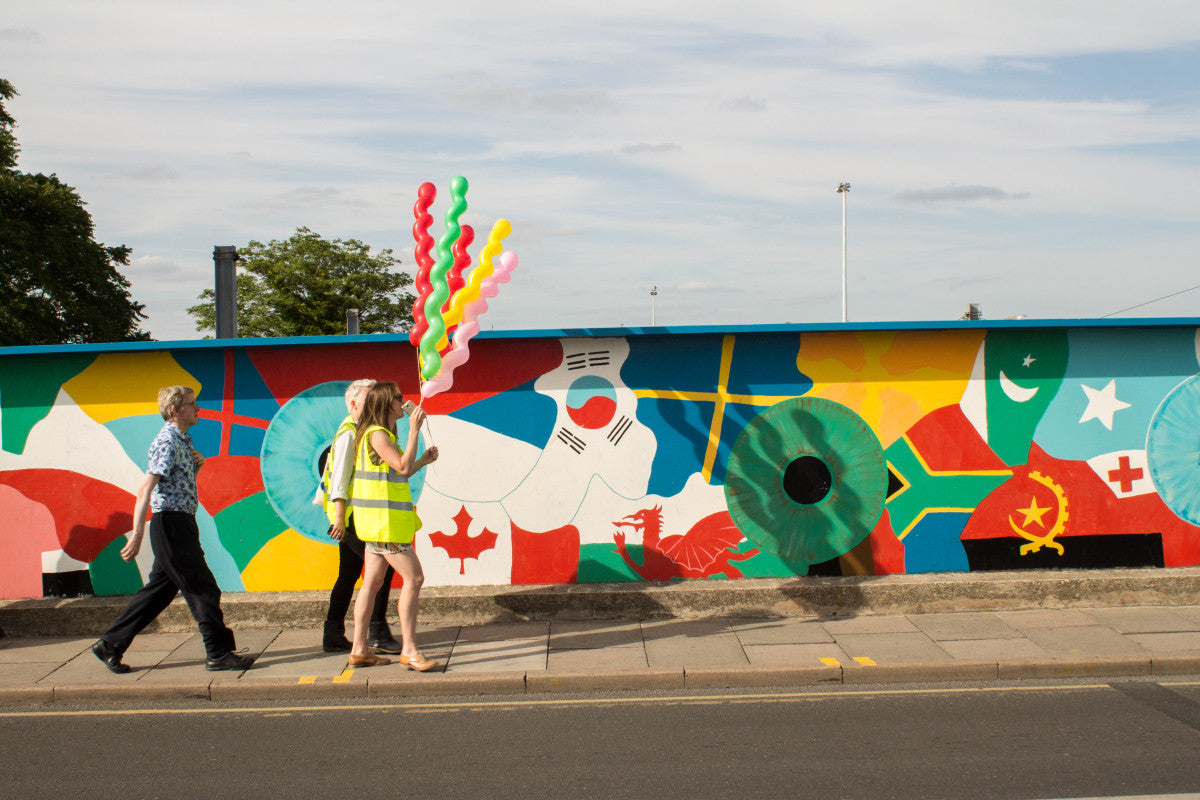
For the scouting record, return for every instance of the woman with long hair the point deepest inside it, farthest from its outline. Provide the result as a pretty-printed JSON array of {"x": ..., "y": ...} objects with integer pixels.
[{"x": 386, "y": 519}]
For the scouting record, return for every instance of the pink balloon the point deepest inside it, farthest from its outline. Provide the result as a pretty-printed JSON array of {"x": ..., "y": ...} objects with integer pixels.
[{"x": 460, "y": 351}]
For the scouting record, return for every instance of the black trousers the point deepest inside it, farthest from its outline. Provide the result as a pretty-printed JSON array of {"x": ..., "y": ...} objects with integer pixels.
[
  {"x": 179, "y": 566},
  {"x": 350, "y": 563}
]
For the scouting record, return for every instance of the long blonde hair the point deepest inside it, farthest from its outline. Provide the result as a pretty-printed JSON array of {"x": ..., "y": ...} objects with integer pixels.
[{"x": 376, "y": 408}]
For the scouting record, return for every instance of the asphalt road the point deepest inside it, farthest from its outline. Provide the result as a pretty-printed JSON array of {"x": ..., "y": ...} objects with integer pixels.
[{"x": 946, "y": 741}]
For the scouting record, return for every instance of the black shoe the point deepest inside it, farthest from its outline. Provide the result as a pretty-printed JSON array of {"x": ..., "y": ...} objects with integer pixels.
[
  {"x": 380, "y": 640},
  {"x": 231, "y": 660},
  {"x": 334, "y": 640},
  {"x": 111, "y": 658}
]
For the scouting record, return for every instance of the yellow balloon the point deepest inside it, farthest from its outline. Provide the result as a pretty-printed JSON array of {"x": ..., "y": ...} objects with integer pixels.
[{"x": 469, "y": 293}]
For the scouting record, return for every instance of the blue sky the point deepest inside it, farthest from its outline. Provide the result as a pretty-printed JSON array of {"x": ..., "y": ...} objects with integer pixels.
[{"x": 1035, "y": 158}]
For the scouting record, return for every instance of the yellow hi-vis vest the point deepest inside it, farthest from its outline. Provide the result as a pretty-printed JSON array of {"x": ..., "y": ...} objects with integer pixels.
[
  {"x": 381, "y": 499},
  {"x": 326, "y": 503}
]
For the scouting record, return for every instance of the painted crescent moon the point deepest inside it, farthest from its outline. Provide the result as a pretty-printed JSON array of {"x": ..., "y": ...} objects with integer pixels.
[{"x": 1015, "y": 392}]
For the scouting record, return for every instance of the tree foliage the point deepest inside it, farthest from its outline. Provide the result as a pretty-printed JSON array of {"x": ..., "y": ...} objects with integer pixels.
[
  {"x": 303, "y": 286},
  {"x": 59, "y": 285}
]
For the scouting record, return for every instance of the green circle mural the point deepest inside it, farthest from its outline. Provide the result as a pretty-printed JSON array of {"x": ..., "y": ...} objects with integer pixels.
[
  {"x": 1172, "y": 452},
  {"x": 806, "y": 480}
]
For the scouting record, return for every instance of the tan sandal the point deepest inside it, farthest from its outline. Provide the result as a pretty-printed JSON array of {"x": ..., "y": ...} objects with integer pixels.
[
  {"x": 418, "y": 662},
  {"x": 368, "y": 660}
]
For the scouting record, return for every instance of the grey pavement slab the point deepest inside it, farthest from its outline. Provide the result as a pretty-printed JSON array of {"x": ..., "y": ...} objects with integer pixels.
[
  {"x": 779, "y": 631},
  {"x": 822, "y": 654},
  {"x": 504, "y": 631},
  {"x": 51, "y": 648},
  {"x": 1134, "y": 619},
  {"x": 881, "y": 647},
  {"x": 498, "y": 655},
  {"x": 867, "y": 624},
  {"x": 1044, "y": 618},
  {"x": 616, "y": 657},
  {"x": 1091, "y": 640},
  {"x": 1179, "y": 642},
  {"x": 590, "y": 635},
  {"x": 994, "y": 649},
  {"x": 1191, "y": 613},
  {"x": 679, "y": 643},
  {"x": 27, "y": 672},
  {"x": 964, "y": 625}
]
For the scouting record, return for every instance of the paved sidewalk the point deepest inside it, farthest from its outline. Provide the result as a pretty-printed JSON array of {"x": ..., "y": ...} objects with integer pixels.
[{"x": 564, "y": 656}]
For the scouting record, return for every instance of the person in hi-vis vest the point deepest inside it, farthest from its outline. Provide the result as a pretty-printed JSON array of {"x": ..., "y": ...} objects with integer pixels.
[
  {"x": 386, "y": 520},
  {"x": 334, "y": 495}
]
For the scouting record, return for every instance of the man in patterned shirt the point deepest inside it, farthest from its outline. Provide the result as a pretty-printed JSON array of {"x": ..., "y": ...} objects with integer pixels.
[{"x": 169, "y": 489}]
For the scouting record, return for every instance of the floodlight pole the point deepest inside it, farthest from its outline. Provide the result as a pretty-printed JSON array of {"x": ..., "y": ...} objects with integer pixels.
[
  {"x": 843, "y": 189},
  {"x": 653, "y": 294},
  {"x": 225, "y": 258}
]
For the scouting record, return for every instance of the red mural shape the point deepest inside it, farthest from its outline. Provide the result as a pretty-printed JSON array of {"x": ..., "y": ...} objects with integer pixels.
[
  {"x": 705, "y": 550},
  {"x": 224, "y": 480},
  {"x": 948, "y": 442},
  {"x": 1048, "y": 501},
  {"x": 887, "y": 551},
  {"x": 545, "y": 557},
  {"x": 88, "y": 514},
  {"x": 461, "y": 544},
  {"x": 492, "y": 369}
]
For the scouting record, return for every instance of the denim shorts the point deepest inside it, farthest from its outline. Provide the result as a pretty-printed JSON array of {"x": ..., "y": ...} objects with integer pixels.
[{"x": 387, "y": 548}]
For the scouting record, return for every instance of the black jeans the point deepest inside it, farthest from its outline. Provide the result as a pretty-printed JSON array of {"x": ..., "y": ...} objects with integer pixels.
[
  {"x": 179, "y": 566},
  {"x": 350, "y": 564}
]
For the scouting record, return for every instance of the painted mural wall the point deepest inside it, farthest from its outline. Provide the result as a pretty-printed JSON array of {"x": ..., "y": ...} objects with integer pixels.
[{"x": 630, "y": 456}]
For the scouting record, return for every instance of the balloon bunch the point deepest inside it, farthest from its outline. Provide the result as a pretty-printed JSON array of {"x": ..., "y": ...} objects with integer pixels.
[{"x": 446, "y": 301}]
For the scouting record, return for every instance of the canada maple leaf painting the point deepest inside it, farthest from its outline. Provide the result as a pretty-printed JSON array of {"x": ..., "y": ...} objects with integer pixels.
[{"x": 462, "y": 545}]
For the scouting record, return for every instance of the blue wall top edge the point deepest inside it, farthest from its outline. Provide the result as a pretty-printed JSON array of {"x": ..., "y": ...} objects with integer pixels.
[{"x": 599, "y": 332}]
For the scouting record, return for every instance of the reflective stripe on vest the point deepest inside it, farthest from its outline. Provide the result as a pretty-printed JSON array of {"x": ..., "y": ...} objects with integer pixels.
[
  {"x": 326, "y": 503},
  {"x": 381, "y": 498}
]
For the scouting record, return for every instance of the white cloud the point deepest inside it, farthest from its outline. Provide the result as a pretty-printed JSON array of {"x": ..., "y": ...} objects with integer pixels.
[{"x": 677, "y": 144}]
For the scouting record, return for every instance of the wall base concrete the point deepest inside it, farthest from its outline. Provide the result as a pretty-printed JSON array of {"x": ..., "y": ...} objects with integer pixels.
[{"x": 825, "y": 597}]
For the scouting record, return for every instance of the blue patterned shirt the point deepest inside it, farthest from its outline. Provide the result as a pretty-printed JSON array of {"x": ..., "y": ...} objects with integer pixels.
[{"x": 170, "y": 457}]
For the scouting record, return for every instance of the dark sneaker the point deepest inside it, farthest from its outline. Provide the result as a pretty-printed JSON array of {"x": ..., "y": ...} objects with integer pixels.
[
  {"x": 231, "y": 661},
  {"x": 111, "y": 658},
  {"x": 380, "y": 639}
]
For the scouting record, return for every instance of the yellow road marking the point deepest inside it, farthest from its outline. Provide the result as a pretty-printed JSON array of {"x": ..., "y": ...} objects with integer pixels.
[
  {"x": 345, "y": 676},
  {"x": 866, "y": 662},
  {"x": 831, "y": 662},
  {"x": 309, "y": 679},
  {"x": 776, "y": 697}
]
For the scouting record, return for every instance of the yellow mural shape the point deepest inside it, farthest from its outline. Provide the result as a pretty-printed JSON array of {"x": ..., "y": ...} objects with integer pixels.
[
  {"x": 103, "y": 390},
  {"x": 891, "y": 379},
  {"x": 292, "y": 562}
]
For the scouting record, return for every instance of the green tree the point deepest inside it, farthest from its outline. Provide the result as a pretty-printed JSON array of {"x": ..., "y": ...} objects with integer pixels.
[
  {"x": 59, "y": 285},
  {"x": 304, "y": 285}
]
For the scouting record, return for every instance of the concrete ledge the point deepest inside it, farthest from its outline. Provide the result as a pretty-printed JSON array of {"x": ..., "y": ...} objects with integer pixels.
[
  {"x": 748, "y": 677},
  {"x": 921, "y": 672},
  {"x": 26, "y": 695},
  {"x": 604, "y": 680},
  {"x": 442, "y": 684},
  {"x": 829, "y": 597},
  {"x": 1075, "y": 667},
  {"x": 77, "y": 693},
  {"x": 1175, "y": 664}
]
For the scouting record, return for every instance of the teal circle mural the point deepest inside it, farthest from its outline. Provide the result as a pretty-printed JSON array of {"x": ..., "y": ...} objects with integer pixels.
[
  {"x": 1173, "y": 450},
  {"x": 806, "y": 480}
]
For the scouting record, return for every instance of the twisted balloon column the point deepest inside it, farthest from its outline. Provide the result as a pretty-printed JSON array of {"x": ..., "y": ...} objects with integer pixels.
[
  {"x": 470, "y": 292},
  {"x": 431, "y": 361},
  {"x": 460, "y": 352},
  {"x": 455, "y": 280},
  {"x": 425, "y": 196}
]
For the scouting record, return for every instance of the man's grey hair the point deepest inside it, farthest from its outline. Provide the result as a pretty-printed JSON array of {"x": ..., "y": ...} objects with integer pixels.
[
  {"x": 355, "y": 389},
  {"x": 170, "y": 398}
]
